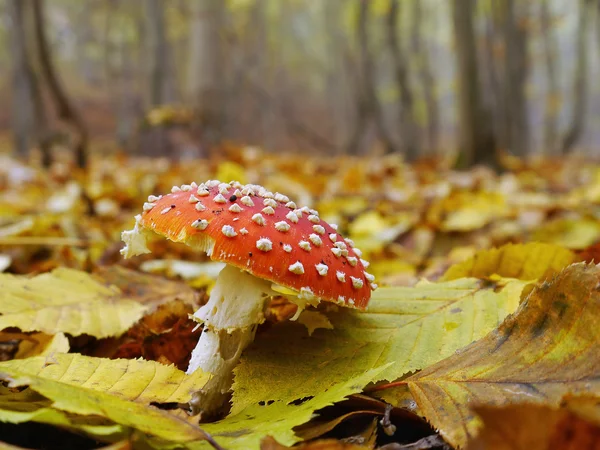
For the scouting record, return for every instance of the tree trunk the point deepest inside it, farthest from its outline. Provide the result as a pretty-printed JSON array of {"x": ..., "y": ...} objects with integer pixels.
[
  {"x": 158, "y": 54},
  {"x": 476, "y": 138},
  {"x": 205, "y": 74},
  {"x": 515, "y": 42},
  {"x": 22, "y": 79},
  {"x": 553, "y": 89},
  {"x": 65, "y": 110},
  {"x": 336, "y": 77},
  {"x": 580, "y": 80},
  {"x": 425, "y": 75},
  {"x": 368, "y": 106},
  {"x": 408, "y": 125}
]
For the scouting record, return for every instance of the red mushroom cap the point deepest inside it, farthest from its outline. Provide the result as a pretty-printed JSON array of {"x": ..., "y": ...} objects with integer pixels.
[{"x": 264, "y": 234}]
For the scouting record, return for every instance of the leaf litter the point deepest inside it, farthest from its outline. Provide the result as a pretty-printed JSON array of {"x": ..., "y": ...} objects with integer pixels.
[{"x": 417, "y": 336}]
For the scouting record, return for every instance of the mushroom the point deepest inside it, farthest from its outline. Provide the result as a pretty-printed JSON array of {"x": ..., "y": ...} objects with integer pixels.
[{"x": 270, "y": 247}]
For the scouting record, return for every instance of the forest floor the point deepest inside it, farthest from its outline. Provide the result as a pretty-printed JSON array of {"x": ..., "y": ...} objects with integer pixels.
[{"x": 483, "y": 329}]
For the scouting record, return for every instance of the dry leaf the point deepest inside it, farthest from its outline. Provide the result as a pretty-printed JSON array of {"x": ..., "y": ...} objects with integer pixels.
[{"x": 544, "y": 351}]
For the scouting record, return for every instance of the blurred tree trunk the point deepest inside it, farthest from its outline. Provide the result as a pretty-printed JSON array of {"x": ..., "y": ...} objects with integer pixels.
[
  {"x": 553, "y": 90},
  {"x": 475, "y": 134},
  {"x": 158, "y": 54},
  {"x": 425, "y": 74},
  {"x": 368, "y": 107},
  {"x": 515, "y": 43},
  {"x": 64, "y": 108},
  {"x": 205, "y": 75},
  {"x": 408, "y": 125},
  {"x": 85, "y": 39},
  {"x": 580, "y": 80},
  {"x": 493, "y": 95},
  {"x": 23, "y": 78},
  {"x": 260, "y": 50},
  {"x": 336, "y": 77}
]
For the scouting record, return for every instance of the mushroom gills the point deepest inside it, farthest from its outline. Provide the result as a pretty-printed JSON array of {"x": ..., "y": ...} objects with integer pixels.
[{"x": 231, "y": 316}]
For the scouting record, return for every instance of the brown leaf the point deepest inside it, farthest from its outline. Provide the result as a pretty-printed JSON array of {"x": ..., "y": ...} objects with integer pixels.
[
  {"x": 536, "y": 427},
  {"x": 269, "y": 443},
  {"x": 547, "y": 349},
  {"x": 149, "y": 290}
]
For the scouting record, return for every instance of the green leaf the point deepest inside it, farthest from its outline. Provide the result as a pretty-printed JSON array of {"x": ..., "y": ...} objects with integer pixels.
[
  {"x": 547, "y": 349},
  {"x": 409, "y": 327},
  {"x": 278, "y": 416},
  {"x": 67, "y": 301}
]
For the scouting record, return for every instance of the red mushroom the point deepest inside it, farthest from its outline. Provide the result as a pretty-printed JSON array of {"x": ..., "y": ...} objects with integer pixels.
[{"x": 270, "y": 247}]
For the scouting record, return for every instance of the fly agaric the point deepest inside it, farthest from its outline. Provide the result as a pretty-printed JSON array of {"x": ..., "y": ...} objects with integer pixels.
[{"x": 270, "y": 247}]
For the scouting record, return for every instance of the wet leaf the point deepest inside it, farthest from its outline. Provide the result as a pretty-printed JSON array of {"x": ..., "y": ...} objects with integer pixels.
[{"x": 544, "y": 351}]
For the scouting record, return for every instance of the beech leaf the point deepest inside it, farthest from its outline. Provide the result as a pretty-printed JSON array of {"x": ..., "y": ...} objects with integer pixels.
[
  {"x": 532, "y": 261},
  {"x": 130, "y": 379},
  {"x": 67, "y": 301},
  {"x": 115, "y": 389}
]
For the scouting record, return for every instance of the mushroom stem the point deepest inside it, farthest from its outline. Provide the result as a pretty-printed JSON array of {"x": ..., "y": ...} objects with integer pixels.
[{"x": 234, "y": 310}]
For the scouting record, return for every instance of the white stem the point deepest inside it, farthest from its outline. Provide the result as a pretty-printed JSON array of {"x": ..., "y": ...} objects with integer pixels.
[{"x": 231, "y": 315}]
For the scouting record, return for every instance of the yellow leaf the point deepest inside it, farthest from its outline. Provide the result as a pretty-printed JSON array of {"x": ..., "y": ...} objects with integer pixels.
[
  {"x": 65, "y": 301},
  {"x": 40, "y": 344},
  {"x": 277, "y": 416},
  {"x": 531, "y": 261},
  {"x": 404, "y": 329},
  {"x": 228, "y": 171},
  {"x": 409, "y": 327},
  {"x": 547, "y": 349},
  {"x": 571, "y": 233},
  {"x": 118, "y": 390},
  {"x": 28, "y": 406},
  {"x": 130, "y": 379}
]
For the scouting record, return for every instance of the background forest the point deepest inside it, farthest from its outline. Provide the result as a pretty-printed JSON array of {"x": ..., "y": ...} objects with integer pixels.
[
  {"x": 337, "y": 76},
  {"x": 436, "y": 159}
]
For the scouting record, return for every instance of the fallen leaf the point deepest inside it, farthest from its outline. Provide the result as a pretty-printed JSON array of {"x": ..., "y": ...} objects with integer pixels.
[
  {"x": 571, "y": 233},
  {"x": 542, "y": 352},
  {"x": 84, "y": 401},
  {"x": 277, "y": 417},
  {"x": 67, "y": 301},
  {"x": 269, "y": 443},
  {"x": 533, "y": 261},
  {"x": 135, "y": 380},
  {"x": 535, "y": 427},
  {"x": 40, "y": 344},
  {"x": 408, "y": 328},
  {"x": 149, "y": 290},
  {"x": 19, "y": 407}
]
